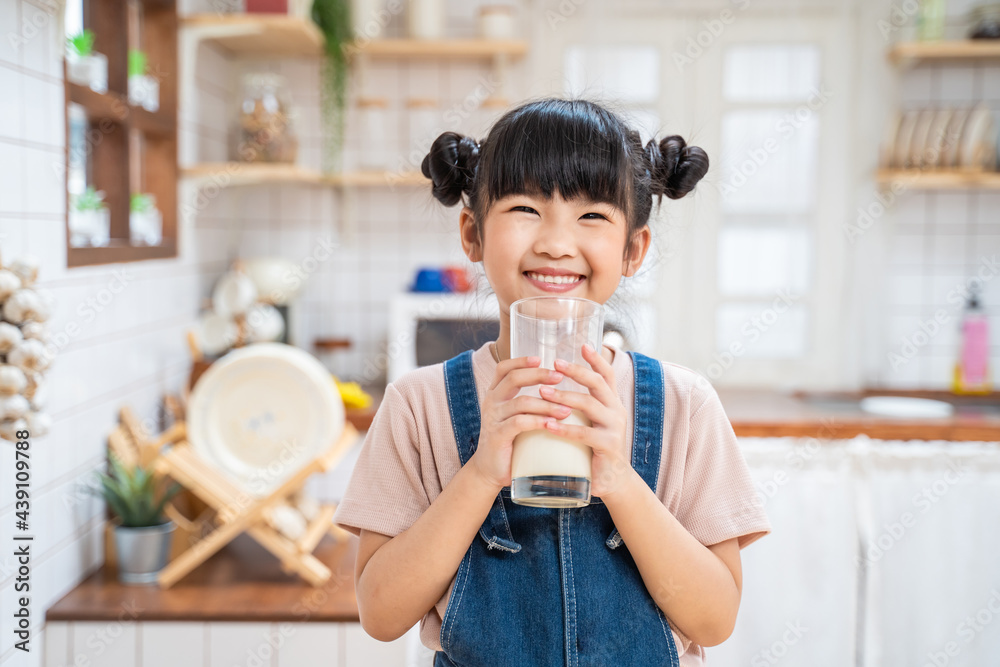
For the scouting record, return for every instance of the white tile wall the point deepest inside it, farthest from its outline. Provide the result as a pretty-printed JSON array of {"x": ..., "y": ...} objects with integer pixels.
[
  {"x": 937, "y": 243},
  {"x": 138, "y": 333}
]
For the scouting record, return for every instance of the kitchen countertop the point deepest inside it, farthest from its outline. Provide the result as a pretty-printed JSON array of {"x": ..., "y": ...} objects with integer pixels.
[
  {"x": 836, "y": 415},
  {"x": 242, "y": 582}
]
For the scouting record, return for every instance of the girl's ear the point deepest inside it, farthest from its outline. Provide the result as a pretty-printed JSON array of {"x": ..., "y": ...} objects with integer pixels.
[
  {"x": 471, "y": 243},
  {"x": 637, "y": 251}
]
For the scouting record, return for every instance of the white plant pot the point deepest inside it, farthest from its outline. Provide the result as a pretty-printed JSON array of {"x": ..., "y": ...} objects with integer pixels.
[
  {"x": 144, "y": 91},
  {"x": 89, "y": 228},
  {"x": 146, "y": 228},
  {"x": 90, "y": 71}
]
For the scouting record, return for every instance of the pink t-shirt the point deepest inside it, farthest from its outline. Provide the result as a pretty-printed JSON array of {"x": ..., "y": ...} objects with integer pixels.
[{"x": 409, "y": 455}]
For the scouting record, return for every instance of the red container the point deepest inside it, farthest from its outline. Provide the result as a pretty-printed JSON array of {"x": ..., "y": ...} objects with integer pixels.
[{"x": 267, "y": 6}]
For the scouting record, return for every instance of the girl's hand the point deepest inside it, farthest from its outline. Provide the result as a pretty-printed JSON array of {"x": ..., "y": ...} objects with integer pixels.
[
  {"x": 607, "y": 415},
  {"x": 505, "y": 414}
]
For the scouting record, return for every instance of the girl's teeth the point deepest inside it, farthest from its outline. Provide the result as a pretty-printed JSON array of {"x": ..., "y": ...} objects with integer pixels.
[{"x": 557, "y": 280}]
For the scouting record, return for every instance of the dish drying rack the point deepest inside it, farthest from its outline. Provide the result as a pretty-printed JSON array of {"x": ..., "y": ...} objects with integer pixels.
[{"x": 285, "y": 522}]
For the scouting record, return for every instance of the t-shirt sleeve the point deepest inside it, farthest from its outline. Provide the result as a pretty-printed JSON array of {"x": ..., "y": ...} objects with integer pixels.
[
  {"x": 718, "y": 501},
  {"x": 385, "y": 493}
]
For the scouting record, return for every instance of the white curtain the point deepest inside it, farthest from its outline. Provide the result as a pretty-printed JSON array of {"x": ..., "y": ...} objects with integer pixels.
[{"x": 884, "y": 554}]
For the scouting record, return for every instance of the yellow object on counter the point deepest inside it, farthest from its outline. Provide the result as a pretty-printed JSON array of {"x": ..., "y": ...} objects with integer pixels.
[{"x": 354, "y": 397}]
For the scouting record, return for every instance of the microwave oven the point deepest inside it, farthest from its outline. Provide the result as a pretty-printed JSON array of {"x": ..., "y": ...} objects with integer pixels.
[{"x": 429, "y": 328}]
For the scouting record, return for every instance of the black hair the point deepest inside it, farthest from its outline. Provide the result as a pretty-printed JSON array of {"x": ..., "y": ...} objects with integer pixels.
[{"x": 577, "y": 147}]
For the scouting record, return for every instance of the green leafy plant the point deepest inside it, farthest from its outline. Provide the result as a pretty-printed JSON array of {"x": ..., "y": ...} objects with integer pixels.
[
  {"x": 81, "y": 44},
  {"x": 131, "y": 494},
  {"x": 90, "y": 200},
  {"x": 142, "y": 202},
  {"x": 137, "y": 62},
  {"x": 334, "y": 20}
]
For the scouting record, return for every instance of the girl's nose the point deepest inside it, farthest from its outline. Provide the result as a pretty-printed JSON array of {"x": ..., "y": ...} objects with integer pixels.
[{"x": 555, "y": 239}]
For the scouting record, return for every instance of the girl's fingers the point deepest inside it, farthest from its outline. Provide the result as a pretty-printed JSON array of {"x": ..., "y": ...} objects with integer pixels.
[
  {"x": 532, "y": 405},
  {"x": 585, "y": 434},
  {"x": 577, "y": 400},
  {"x": 590, "y": 379},
  {"x": 520, "y": 423},
  {"x": 508, "y": 365},
  {"x": 526, "y": 377},
  {"x": 599, "y": 364}
]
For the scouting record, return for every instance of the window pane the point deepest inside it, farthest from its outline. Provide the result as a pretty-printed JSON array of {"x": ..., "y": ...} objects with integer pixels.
[
  {"x": 624, "y": 74},
  {"x": 770, "y": 73},
  {"x": 768, "y": 161},
  {"x": 774, "y": 329},
  {"x": 762, "y": 260}
]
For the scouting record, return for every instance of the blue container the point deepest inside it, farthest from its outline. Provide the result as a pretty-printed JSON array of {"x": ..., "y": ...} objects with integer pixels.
[{"x": 430, "y": 280}]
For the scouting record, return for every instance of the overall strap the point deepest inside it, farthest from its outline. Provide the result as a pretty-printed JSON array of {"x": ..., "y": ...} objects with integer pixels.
[
  {"x": 647, "y": 425},
  {"x": 463, "y": 404},
  {"x": 647, "y": 440}
]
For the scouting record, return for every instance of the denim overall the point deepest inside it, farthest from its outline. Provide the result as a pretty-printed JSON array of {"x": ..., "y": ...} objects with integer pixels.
[{"x": 548, "y": 586}]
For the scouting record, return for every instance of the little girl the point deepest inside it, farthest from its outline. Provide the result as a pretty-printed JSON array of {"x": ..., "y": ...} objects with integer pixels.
[{"x": 649, "y": 572}]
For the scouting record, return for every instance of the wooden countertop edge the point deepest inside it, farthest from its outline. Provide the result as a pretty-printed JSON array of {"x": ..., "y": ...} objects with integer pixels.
[{"x": 876, "y": 430}]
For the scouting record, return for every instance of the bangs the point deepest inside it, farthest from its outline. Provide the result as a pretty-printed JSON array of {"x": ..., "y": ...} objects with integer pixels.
[{"x": 572, "y": 146}]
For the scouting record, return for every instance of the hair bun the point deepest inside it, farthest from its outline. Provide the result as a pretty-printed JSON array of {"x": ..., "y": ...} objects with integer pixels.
[
  {"x": 451, "y": 166},
  {"x": 675, "y": 167}
]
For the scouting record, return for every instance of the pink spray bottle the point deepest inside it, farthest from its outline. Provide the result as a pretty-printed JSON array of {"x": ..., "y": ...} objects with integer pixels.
[{"x": 972, "y": 370}]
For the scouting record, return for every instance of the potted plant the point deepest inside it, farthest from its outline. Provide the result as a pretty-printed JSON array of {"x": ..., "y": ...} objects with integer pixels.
[
  {"x": 89, "y": 219},
  {"x": 143, "y": 89},
  {"x": 85, "y": 66},
  {"x": 142, "y": 535},
  {"x": 334, "y": 20},
  {"x": 145, "y": 222}
]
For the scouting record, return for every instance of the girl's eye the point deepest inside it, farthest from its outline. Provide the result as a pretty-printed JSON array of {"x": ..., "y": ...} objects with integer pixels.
[
  {"x": 526, "y": 209},
  {"x": 597, "y": 216}
]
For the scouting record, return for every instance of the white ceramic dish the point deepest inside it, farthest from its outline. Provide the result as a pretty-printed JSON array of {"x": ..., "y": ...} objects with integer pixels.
[
  {"x": 978, "y": 139},
  {"x": 262, "y": 412},
  {"x": 936, "y": 148},
  {"x": 921, "y": 132},
  {"x": 901, "y": 150},
  {"x": 905, "y": 407},
  {"x": 953, "y": 141},
  {"x": 233, "y": 294}
]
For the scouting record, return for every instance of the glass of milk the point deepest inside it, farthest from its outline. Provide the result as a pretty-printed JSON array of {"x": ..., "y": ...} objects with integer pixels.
[{"x": 548, "y": 470}]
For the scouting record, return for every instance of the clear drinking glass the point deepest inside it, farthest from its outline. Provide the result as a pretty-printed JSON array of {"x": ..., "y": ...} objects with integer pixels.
[{"x": 548, "y": 470}]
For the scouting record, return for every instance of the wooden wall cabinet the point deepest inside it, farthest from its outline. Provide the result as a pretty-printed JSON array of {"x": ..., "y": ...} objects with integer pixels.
[{"x": 128, "y": 149}]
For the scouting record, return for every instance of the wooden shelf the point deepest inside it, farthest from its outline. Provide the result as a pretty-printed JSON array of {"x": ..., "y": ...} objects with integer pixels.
[
  {"x": 226, "y": 174},
  {"x": 439, "y": 48},
  {"x": 279, "y": 35},
  {"x": 964, "y": 49},
  {"x": 918, "y": 179},
  {"x": 258, "y": 34}
]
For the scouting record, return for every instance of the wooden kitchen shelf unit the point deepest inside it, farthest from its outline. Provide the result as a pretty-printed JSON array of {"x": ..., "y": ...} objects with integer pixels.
[
  {"x": 918, "y": 179},
  {"x": 461, "y": 49},
  {"x": 957, "y": 49},
  {"x": 229, "y": 174},
  {"x": 290, "y": 36},
  {"x": 258, "y": 34}
]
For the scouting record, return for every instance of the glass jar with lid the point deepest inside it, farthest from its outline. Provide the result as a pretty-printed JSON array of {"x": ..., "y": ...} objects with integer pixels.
[{"x": 264, "y": 130}]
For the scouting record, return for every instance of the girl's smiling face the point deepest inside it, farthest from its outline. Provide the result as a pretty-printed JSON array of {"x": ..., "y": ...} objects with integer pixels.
[{"x": 537, "y": 246}]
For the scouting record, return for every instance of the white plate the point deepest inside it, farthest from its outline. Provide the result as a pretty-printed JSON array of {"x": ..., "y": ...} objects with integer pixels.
[
  {"x": 936, "y": 148},
  {"x": 906, "y": 407},
  {"x": 918, "y": 143},
  {"x": 953, "y": 140},
  {"x": 262, "y": 412},
  {"x": 901, "y": 151},
  {"x": 233, "y": 294},
  {"x": 978, "y": 139}
]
